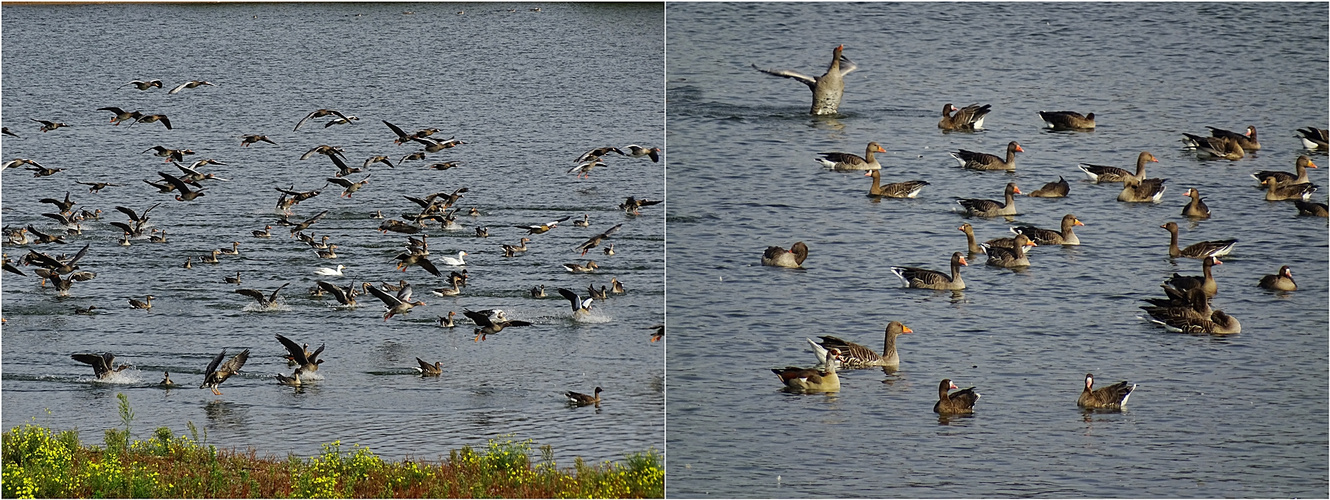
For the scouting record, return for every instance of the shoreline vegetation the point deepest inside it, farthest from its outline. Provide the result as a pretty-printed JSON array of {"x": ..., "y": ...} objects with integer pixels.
[{"x": 43, "y": 463}]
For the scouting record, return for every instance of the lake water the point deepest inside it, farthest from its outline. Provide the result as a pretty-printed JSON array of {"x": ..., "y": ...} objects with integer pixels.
[
  {"x": 1242, "y": 415},
  {"x": 528, "y": 91}
]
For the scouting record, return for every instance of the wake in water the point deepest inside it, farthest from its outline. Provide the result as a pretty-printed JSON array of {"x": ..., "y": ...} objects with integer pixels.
[
  {"x": 128, "y": 376},
  {"x": 594, "y": 316},
  {"x": 269, "y": 307}
]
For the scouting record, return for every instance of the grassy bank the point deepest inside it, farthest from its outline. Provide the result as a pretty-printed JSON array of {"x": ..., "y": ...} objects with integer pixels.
[{"x": 43, "y": 463}]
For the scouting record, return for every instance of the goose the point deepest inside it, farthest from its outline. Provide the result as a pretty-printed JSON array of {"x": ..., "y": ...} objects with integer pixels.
[
  {"x": 970, "y": 245},
  {"x": 1283, "y": 281},
  {"x": 598, "y": 295},
  {"x": 846, "y": 161},
  {"x": 580, "y": 306},
  {"x": 489, "y": 326},
  {"x": 584, "y": 169},
  {"x": 55, "y": 265},
  {"x": 429, "y": 370},
  {"x": 187, "y": 85},
  {"x": 449, "y": 292},
  {"x": 1246, "y": 140},
  {"x": 265, "y": 301},
  {"x": 1010, "y": 257},
  {"x": 857, "y": 356},
  {"x": 293, "y": 380},
  {"x": 1315, "y": 139},
  {"x": 166, "y": 380},
  {"x": 157, "y": 236},
  {"x": 578, "y": 268},
  {"x": 510, "y": 250},
  {"x": 634, "y": 205},
  {"x": 1299, "y": 177},
  {"x": 455, "y": 262},
  {"x": 144, "y": 85},
  {"x": 1102, "y": 173},
  {"x": 170, "y": 154},
  {"x": 915, "y": 277},
  {"x": 907, "y": 189},
  {"x": 1216, "y": 148},
  {"x": 636, "y": 151},
  {"x": 304, "y": 360},
  {"x": 6, "y": 131},
  {"x": 985, "y": 161},
  {"x": 543, "y": 228},
  {"x": 616, "y": 286},
  {"x": 780, "y": 257},
  {"x": 657, "y": 332},
  {"x": 121, "y": 115},
  {"x": 968, "y": 118},
  {"x": 1057, "y": 189},
  {"x": 538, "y": 292},
  {"x": 609, "y": 250},
  {"x": 1113, "y": 397},
  {"x": 101, "y": 364},
  {"x": 394, "y": 305},
  {"x": 235, "y": 249},
  {"x": 594, "y": 241},
  {"x": 447, "y": 321},
  {"x": 246, "y": 140},
  {"x": 218, "y": 371},
  {"x": 1206, "y": 282},
  {"x": 211, "y": 258},
  {"x": 324, "y": 271},
  {"x": 48, "y": 125},
  {"x": 808, "y": 379},
  {"x": 1066, "y": 236},
  {"x": 65, "y": 206},
  {"x": 97, "y": 187},
  {"x": 1142, "y": 191},
  {"x": 1196, "y": 208},
  {"x": 145, "y": 304},
  {"x": 320, "y": 113},
  {"x": 345, "y": 296},
  {"x": 597, "y": 153},
  {"x": 406, "y": 260},
  {"x": 1199, "y": 250},
  {"x": 1191, "y": 304},
  {"x": 828, "y": 88},
  {"x": 1312, "y": 208},
  {"x": 991, "y": 208},
  {"x": 265, "y": 233},
  {"x": 233, "y": 281},
  {"x": 185, "y": 193},
  {"x": 154, "y": 118},
  {"x": 1283, "y": 192},
  {"x": 1067, "y": 120},
  {"x": 958, "y": 402},
  {"x": 1219, "y": 323},
  {"x": 88, "y": 311},
  {"x": 579, "y": 399}
]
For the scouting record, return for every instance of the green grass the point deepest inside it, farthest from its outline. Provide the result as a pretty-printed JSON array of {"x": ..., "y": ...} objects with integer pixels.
[{"x": 41, "y": 463}]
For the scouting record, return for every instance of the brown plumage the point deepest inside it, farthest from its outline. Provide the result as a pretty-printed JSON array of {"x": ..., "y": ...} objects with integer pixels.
[
  {"x": 848, "y": 161},
  {"x": 1282, "y": 281},
  {"x": 915, "y": 277},
  {"x": 958, "y": 402},
  {"x": 1065, "y": 236},
  {"x": 968, "y": 118},
  {"x": 580, "y": 399},
  {"x": 907, "y": 189},
  {"x": 1298, "y": 177},
  {"x": 780, "y": 257},
  {"x": 101, "y": 364},
  {"x": 985, "y": 161},
  {"x": 1206, "y": 282},
  {"x": 1195, "y": 208},
  {"x": 1067, "y": 120},
  {"x": 859, "y": 356},
  {"x": 218, "y": 372},
  {"x": 1058, "y": 189},
  {"x": 991, "y": 208},
  {"x": 808, "y": 379},
  {"x": 1103, "y": 173},
  {"x": 1112, "y": 397},
  {"x": 1200, "y": 250}
]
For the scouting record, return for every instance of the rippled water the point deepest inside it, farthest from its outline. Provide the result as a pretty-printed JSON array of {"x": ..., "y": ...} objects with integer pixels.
[
  {"x": 1243, "y": 415},
  {"x": 527, "y": 91}
]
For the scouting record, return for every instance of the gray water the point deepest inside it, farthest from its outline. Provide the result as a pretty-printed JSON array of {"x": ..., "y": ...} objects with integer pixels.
[
  {"x": 1242, "y": 415},
  {"x": 527, "y": 91}
]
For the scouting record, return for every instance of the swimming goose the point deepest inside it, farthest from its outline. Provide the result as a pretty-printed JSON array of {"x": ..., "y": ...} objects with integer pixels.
[
  {"x": 616, "y": 286},
  {"x": 828, "y": 88},
  {"x": 510, "y": 250},
  {"x": 958, "y": 402},
  {"x": 121, "y": 115},
  {"x": 449, "y": 292},
  {"x": 235, "y": 249},
  {"x": 293, "y": 380},
  {"x": 1102, "y": 173},
  {"x": 809, "y": 379},
  {"x": 538, "y": 292},
  {"x": 1067, "y": 120},
  {"x": 578, "y": 268},
  {"x": 915, "y": 277},
  {"x": 447, "y": 321},
  {"x": 579, "y": 304},
  {"x": 585, "y": 222},
  {"x": 246, "y": 140},
  {"x": 1200, "y": 250},
  {"x": 1247, "y": 140},
  {"x": 455, "y": 262},
  {"x": 1010, "y": 257},
  {"x": 265, "y": 301},
  {"x": 1283, "y": 192},
  {"x": 1191, "y": 304},
  {"x": 305, "y": 360},
  {"x": 1219, "y": 323},
  {"x": 609, "y": 250},
  {"x": 1142, "y": 190},
  {"x": 1196, "y": 208},
  {"x": 841, "y": 162},
  {"x": 394, "y": 305},
  {"x": 985, "y": 161},
  {"x": 187, "y": 85},
  {"x": 210, "y": 258},
  {"x": 429, "y": 370},
  {"x": 1300, "y": 177},
  {"x": 485, "y": 325},
  {"x": 166, "y": 380},
  {"x": 780, "y": 257},
  {"x": 48, "y": 125},
  {"x": 991, "y": 208},
  {"x": 233, "y": 281},
  {"x": 857, "y": 356},
  {"x": 1050, "y": 237},
  {"x": 41, "y": 238},
  {"x": 968, "y": 118},
  {"x": 598, "y": 295},
  {"x": 1206, "y": 282},
  {"x": 324, "y": 271},
  {"x": 101, "y": 364},
  {"x": 153, "y": 118},
  {"x": 218, "y": 371},
  {"x": 594, "y": 241},
  {"x": 1057, "y": 189},
  {"x": 265, "y": 233},
  {"x": 970, "y": 244},
  {"x": 345, "y": 296},
  {"x": 580, "y": 399},
  {"x": 1315, "y": 139},
  {"x": 1113, "y": 397},
  {"x": 320, "y": 113},
  {"x": 1215, "y": 147},
  {"x": 326, "y": 253},
  {"x": 907, "y": 189},
  {"x": 1282, "y": 281},
  {"x": 144, "y": 85},
  {"x": 145, "y": 304},
  {"x": 636, "y": 151},
  {"x": 1312, "y": 209}
]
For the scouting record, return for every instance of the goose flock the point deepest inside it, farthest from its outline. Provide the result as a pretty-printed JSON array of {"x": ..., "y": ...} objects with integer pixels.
[
  {"x": 1186, "y": 306},
  {"x": 425, "y": 214}
]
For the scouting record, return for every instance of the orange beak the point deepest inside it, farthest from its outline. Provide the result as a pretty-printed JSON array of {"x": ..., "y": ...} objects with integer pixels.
[
  {"x": 963, "y": 262},
  {"x": 906, "y": 329},
  {"x": 1311, "y": 165},
  {"x": 1018, "y": 148},
  {"x": 1016, "y": 190},
  {"x": 1078, "y": 223}
]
